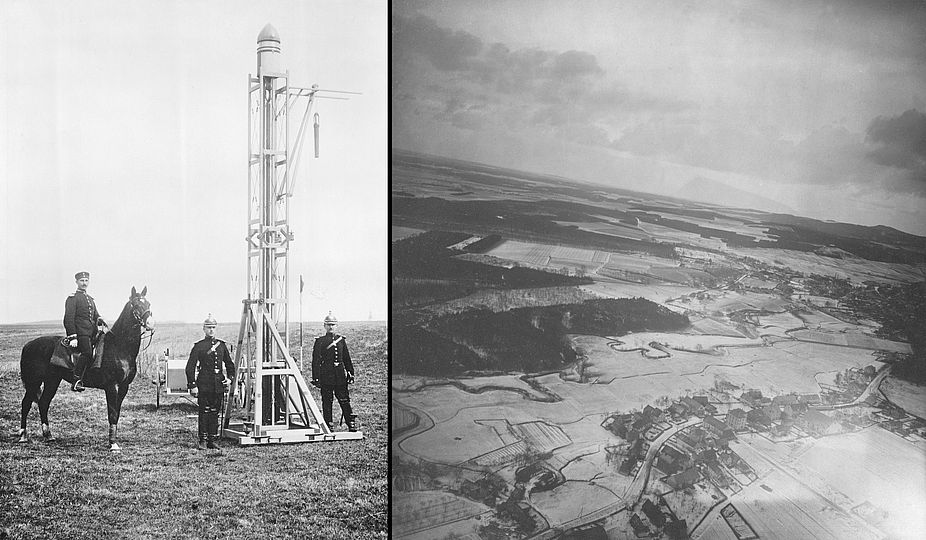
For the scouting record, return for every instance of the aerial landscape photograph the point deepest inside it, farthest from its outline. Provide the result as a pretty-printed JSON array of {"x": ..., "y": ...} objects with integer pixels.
[{"x": 658, "y": 270}]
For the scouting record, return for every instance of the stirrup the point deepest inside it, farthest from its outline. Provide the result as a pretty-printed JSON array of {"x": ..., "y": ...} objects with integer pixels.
[{"x": 78, "y": 386}]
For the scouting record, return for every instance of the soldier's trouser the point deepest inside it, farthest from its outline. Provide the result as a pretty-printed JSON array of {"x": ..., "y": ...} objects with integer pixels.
[
  {"x": 85, "y": 357},
  {"x": 209, "y": 404},
  {"x": 343, "y": 396}
]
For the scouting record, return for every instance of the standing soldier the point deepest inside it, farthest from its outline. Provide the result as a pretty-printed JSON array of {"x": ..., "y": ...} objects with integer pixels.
[
  {"x": 332, "y": 371},
  {"x": 208, "y": 386},
  {"x": 82, "y": 323}
]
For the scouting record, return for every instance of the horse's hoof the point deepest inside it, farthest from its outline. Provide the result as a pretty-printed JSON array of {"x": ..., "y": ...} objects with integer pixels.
[
  {"x": 115, "y": 449},
  {"x": 50, "y": 438},
  {"x": 22, "y": 440}
]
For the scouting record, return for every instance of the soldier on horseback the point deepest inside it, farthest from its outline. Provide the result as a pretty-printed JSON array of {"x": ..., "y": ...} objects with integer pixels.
[{"x": 83, "y": 324}]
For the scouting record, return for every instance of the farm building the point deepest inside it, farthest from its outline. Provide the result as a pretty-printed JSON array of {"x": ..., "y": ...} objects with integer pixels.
[
  {"x": 627, "y": 466},
  {"x": 706, "y": 456},
  {"x": 719, "y": 430},
  {"x": 654, "y": 514},
  {"x": 691, "y": 441},
  {"x": 677, "y": 529},
  {"x": 639, "y": 526},
  {"x": 781, "y": 429},
  {"x": 785, "y": 399},
  {"x": 693, "y": 406},
  {"x": 758, "y": 419},
  {"x": 670, "y": 460},
  {"x": 817, "y": 423},
  {"x": 736, "y": 419},
  {"x": 653, "y": 414},
  {"x": 704, "y": 402},
  {"x": 810, "y": 399},
  {"x": 717, "y": 475},
  {"x": 684, "y": 479},
  {"x": 753, "y": 397},
  {"x": 773, "y": 412}
]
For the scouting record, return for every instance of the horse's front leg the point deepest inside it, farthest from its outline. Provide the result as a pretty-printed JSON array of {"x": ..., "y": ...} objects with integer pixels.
[{"x": 113, "y": 406}]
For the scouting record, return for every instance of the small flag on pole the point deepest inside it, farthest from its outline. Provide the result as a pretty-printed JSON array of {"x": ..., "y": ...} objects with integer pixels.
[{"x": 301, "y": 284}]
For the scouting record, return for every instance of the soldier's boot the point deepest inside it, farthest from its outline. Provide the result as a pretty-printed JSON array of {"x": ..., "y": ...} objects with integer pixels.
[
  {"x": 212, "y": 430},
  {"x": 80, "y": 366}
]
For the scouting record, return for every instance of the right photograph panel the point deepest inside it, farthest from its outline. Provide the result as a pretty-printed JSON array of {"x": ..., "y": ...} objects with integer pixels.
[{"x": 658, "y": 270}]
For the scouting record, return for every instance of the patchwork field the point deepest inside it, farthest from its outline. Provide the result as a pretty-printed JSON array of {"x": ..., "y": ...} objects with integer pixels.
[
  {"x": 871, "y": 469},
  {"x": 855, "y": 269},
  {"x": 756, "y": 320}
]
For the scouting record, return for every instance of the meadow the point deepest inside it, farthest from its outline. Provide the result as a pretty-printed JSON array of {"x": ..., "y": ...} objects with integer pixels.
[{"x": 160, "y": 486}]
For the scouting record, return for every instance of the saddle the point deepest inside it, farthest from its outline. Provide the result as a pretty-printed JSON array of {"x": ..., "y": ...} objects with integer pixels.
[{"x": 63, "y": 354}]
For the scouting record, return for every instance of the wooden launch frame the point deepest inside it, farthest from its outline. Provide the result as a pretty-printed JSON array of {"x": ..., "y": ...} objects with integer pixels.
[{"x": 269, "y": 400}]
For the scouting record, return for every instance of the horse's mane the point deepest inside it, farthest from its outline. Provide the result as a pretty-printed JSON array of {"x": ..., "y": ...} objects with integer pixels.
[{"x": 126, "y": 323}]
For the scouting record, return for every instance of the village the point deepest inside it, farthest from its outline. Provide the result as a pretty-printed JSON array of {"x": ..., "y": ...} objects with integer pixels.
[{"x": 698, "y": 458}]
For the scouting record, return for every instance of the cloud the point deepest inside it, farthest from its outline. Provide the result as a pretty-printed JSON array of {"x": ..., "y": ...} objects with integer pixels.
[
  {"x": 446, "y": 49},
  {"x": 456, "y": 78},
  {"x": 900, "y": 142}
]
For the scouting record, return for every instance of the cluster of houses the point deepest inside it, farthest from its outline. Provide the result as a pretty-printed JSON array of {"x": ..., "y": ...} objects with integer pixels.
[
  {"x": 779, "y": 414},
  {"x": 895, "y": 419},
  {"x": 849, "y": 385},
  {"x": 638, "y": 429},
  {"x": 662, "y": 518},
  {"x": 702, "y": 452}
]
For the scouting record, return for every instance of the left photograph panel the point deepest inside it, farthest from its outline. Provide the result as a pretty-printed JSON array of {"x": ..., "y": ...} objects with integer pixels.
[{"x": 194, "y": 228}]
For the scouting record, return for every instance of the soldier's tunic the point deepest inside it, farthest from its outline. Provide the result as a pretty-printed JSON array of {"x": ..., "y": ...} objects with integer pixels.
[
  {"x": 209, "y": 355},
  {"x": 331, "y": 366},
  {"x": 81, "y": 319}
]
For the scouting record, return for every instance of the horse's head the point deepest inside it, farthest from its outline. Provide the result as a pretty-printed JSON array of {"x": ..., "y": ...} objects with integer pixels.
[{"x": 141, "y": 309}]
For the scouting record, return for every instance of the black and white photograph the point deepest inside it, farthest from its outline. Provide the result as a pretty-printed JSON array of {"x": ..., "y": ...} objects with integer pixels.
[
  {"x": 658, "y": 269},
  {"x": 194, "y": 271}
]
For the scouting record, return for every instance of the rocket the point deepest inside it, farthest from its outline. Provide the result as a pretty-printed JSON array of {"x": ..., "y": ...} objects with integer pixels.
[{"x": 269, "y": 54}]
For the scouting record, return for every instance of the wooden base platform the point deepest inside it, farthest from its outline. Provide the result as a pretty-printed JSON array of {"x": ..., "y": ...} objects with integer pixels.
[{"x": 244, "y": 434}]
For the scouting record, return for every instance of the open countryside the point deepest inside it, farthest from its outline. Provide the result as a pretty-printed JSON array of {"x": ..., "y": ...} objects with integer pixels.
[{"x": 704, "y": 373}]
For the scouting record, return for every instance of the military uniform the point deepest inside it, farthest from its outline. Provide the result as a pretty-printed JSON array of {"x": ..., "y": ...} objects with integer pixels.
[
  {"x": 209, "y": 354},
  {"x": 332, "y": 370},
  {"x": 81, "y": 322}
]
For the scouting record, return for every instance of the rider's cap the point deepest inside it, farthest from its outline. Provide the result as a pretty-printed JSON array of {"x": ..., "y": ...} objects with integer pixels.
[
  {"x": 331, "y": 319},
  {"x": 81, "y": 275},
  {"x": 209, "y": 321}
]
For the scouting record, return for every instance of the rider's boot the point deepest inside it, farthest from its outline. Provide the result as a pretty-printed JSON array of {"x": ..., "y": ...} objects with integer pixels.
[{"x": 80, "y": 366}]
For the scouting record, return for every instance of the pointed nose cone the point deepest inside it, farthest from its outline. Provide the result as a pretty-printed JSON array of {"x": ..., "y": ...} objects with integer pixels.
[
  {"x": 268, "y": 50},
  {"x": 269, "y": 33}
]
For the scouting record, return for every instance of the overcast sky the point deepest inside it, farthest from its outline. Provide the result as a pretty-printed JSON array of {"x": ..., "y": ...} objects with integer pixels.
[
  {"x": 809, "y": 106},
  {"x": 123, "y": 152}
]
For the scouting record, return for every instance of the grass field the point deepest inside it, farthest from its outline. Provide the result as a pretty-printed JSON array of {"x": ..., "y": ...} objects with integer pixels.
[{"x": 160, "y": 486}]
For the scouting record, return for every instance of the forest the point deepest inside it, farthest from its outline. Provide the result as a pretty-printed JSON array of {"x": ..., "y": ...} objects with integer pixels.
[{"x": 526, "y": 340}]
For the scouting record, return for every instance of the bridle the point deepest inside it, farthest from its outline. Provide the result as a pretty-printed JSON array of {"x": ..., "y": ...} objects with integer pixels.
[{"x": 141, "y": 321}]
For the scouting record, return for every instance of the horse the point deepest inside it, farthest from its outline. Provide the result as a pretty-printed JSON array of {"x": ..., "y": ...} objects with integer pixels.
[{"x": 117, "y": 368}]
